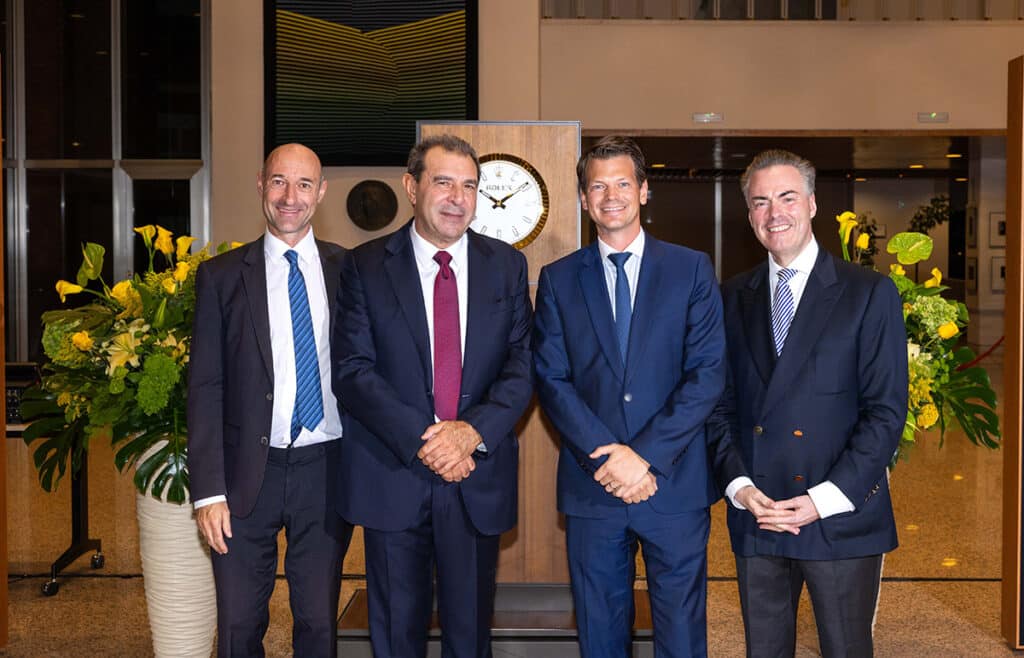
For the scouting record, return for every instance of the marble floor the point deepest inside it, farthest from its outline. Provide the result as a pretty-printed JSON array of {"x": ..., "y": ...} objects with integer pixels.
[{"x": 940, "y": 595}]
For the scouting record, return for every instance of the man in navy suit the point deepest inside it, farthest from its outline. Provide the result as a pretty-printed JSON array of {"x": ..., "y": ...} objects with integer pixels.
[
  {"x": 263, "y": 423},
  {"x": 433, "y": 367},
  {"x": 818, "y": 399},
  {"x": 630, "y": 360}
]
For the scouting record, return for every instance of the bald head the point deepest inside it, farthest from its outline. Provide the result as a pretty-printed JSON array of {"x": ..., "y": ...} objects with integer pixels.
[{"x": 291, "y": 184}]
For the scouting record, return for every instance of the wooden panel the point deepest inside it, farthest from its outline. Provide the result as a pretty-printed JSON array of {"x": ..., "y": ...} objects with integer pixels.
[
  {"x": 3, "y": 438},
  {"x": 534, "y": 552},
  {"x": 1012, "y": 389}
]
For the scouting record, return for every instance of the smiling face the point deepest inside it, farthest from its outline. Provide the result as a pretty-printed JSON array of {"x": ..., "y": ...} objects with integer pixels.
[
  {"x": 291, "y": 187},
  {"x": 613, "y": 198},
  {"x": 780, "y": 210},
  {"x": 444, "y": 197}
]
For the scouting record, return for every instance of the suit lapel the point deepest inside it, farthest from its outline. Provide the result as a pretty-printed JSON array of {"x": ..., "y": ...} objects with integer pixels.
[
  {"x": 404, "y": 278},
  {"x": 595, "y": 294},
  {"x": 816, "y": 305},
  {"x": 756, "y": 309},
  {"x": 645, "y": 304},
  {"x": 254, "y": 279},
  {"x": 482, "y": 293}
]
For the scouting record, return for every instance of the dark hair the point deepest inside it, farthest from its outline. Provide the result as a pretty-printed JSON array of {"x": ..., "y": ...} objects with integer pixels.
[
  {"x": 450, "y": 143},
  {"x": 610, "y": 147},
  {"x": 777, "y": 157}
]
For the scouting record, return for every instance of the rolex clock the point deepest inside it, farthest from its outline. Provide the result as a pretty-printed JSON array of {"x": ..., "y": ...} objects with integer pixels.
[{"x": 512, "y": 200}]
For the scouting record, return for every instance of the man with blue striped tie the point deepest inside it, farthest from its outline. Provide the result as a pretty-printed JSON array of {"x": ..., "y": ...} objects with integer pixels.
[
  {"x": 812, "y": 414},
  {"x": 264, "y": 423}
]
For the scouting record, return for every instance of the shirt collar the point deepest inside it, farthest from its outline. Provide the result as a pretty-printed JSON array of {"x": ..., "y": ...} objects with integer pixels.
[
  {"x": 636, "y": 247},
  {"x": 274, "y": 248},
  {"x": 803, "y": 263},
  {"x": 424, "y": 251}
]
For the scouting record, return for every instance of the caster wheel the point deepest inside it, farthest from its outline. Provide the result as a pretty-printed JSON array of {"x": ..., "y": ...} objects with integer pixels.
[
  {"x": 98, "y": 561},
  {"x": 50, "y": 588}
]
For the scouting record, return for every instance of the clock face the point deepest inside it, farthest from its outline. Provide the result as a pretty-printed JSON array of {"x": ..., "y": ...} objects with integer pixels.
[{"x": 512, "y": 200}]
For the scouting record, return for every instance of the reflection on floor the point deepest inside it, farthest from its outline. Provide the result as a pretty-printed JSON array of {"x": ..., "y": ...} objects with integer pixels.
[{"x": 940, "y": 596}]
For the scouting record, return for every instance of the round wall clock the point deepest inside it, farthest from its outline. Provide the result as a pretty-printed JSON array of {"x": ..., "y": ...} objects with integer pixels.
[
  {"x": 371, "y": 205},
  {"x": 512, "y": 200}
]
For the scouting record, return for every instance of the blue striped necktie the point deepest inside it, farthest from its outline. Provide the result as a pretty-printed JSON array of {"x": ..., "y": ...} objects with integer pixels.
[
  {"x": 623, "y": 307},
  {"x": 782, "y": 309},
  {"x": 309, "y": 404}
]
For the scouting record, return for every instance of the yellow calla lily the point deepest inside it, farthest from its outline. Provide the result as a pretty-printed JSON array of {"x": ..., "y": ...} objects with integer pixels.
[
  {"x": 128, "y": 297},
  {"x": 65, "y": 288},
  {"x": 847, "y": 220},
  {"x": 147, "y": 232},
  {"x": 82, "y": 341},
  {"x": 863, "y": 240},
  {"x": 184, "y": 243},
  {"x": 948, "y": 330},
  {"x": 896, "y": 268},
  {"x": 163, "y": 241},
  {"x": 935, "y": 280},
  {"x": 181, "y": 271},
  {"x": 236, "y": 245},
  {"x": 170, "y": 285}
]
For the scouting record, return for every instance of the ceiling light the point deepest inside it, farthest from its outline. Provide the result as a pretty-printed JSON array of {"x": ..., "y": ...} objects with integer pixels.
[
  {"x": 954, "y": 155},
  {"x": 957, "y": 477},
  {"x": 912, "y": 527},
  {"x": 950, "y": 562},
  {"x": 916, "y": 166},
  {"x": 860, "y": 180},
  {"x": 960, "y": 180},
  {"x": 658, "y": 165}
]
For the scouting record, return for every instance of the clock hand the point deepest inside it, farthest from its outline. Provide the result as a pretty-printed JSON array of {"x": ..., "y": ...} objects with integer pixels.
[
  {"x": 496, "y": 202},
  {"x": 513, "y": 193}
]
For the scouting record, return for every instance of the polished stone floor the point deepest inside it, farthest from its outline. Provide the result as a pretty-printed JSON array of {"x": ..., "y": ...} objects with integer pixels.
[{"x": 940, "y": 595}]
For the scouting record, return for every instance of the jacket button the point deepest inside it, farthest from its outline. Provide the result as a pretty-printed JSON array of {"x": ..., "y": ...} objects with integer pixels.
[
  {"x": 798, "y": 478},
  {"x": 264, "y": 441},
  {"x": 758, "y": 430},
  {"x": 628, "y": 397},
  {"x": 270, "y": 397}
]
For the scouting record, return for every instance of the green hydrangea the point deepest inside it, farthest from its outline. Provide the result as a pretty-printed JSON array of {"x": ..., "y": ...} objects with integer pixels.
[
  {"x": 933, "y": 311},
  {"x": 160, "y": 374},
  {"x": 58, "y": 346}
]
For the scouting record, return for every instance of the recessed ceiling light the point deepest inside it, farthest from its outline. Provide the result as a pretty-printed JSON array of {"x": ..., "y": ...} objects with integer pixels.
[
  {"x": 960, "y": 180},
  {"x": 954, "y": 155},
  {"x": 658, "y": 165},
  {"x": 912, "y": 527},
  {"x": 957, "y": 477},
  {"x": 860, "y": 180},
  {"x": 950, "y": 562},
  {"x": 917, "y": 166}
]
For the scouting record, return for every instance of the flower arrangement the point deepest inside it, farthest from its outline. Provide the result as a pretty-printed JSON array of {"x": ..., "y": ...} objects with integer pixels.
[
  {"x": 118, "y": 367},
  {"x": 946, "y": 386}
]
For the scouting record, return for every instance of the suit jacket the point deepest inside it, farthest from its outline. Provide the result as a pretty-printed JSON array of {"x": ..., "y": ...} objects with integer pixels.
[
  {"x": 383, "y": 379},
  {"x": 831, "y": 407},
  {"x": 231, "y": 373},
  {"x": 658, "y": 402}
]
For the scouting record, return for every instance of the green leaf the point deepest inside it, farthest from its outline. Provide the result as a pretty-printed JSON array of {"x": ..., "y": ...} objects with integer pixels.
[
  {"x": 92, "y": 263},
  {"x": 910, "y": 247}
]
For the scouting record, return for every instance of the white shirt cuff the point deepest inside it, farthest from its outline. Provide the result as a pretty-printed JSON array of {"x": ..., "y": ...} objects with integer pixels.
[
  {"x": 829, "y": 500},
  {"x": 203, "y": 502},
  {"x": 736, "y": 485}
]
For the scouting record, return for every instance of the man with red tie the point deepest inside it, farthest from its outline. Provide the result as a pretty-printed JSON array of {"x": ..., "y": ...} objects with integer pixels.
[{"x": 432, "y": 360}]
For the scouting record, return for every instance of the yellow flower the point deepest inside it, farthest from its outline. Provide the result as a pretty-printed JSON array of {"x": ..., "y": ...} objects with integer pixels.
[
  {"x": 125, "y": 294},
  {"x": 236, "y": 245},
  {"x": 896, "y": 268},
  {"x": 847, "y": 221},
  {"x": 935, "y": 280},
  {"x": 184, "y": 244},
  {"x": 181, "y": 271},
  {"x": 170, "y": 285},
  {"x": 163, "y": 241},
  {"x": 82, "y": 341},
  {"x": 147, "y": 232},
  {"x": 65, "y": 288},
  {"x": 913, "y": 350},
  {"x": 862, "y": 241},
  {"x": 948, "y": 330},
  {"x": 928, "y": 416},
  {"x": 121, "y": 351},
  {"x": 64, "y": 399}
]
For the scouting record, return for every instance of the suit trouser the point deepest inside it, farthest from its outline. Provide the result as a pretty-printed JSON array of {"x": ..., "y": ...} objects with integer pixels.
[
  {"x": 297, "y": 495},
  {"x": 602, "y": 559},
  {"x": 843, "y": 595},
  {"x": 399, "y": 581}
]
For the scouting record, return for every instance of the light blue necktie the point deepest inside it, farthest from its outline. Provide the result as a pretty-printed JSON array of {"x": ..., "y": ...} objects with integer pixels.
[
  {"x": 783, "y": 309},
  {"x": 309, "y": 405},
  {"x": 623, "y": 309}
]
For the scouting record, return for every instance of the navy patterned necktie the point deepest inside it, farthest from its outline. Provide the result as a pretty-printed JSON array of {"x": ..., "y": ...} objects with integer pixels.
[
  {"x": 782, "y": 309},
  {"x": 623, "y": 308},
  {"x": 309, "y": 403}
]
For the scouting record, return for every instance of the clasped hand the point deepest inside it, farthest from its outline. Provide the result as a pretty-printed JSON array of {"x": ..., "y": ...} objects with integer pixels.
[
  {"x": 625, "y": 474},
  {"x": 448, "y": 448},
  {"x": 778, "y": 515}
]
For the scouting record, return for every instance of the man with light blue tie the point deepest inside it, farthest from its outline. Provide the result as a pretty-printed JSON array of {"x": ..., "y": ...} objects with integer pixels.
[
  {"x": 815, "y": 406},
  {"x": 263, "y": 421},
  {"x": 629, "y": 359}
]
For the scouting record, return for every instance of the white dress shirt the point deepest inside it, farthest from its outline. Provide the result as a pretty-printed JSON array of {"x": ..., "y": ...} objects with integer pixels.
[
  {"x": 631, "y": 266},
  {"x": 828, "y": 499},
  {"x": 279, "y": 305}
]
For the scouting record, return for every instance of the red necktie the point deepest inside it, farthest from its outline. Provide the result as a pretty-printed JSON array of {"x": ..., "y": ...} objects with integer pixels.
[{"x": 447, "y": 341}]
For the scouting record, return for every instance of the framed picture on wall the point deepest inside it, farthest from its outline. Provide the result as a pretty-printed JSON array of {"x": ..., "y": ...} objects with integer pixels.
[
  {"x": 997, "y": 229},
  {"x": 999, "y": 274},
  {"x": 350, "y": 79},
  {"x": 972, "y": 226},
  {"x": 971, "y": 275},
  {"x": 881, "y": 231}
]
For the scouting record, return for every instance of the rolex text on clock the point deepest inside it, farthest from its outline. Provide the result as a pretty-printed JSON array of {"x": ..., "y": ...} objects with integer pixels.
[{"x": 512, "y": 203}]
